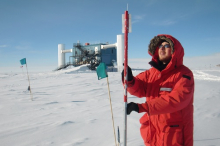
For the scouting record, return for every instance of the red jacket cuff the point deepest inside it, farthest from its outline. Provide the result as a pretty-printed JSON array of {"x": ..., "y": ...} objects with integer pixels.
[
  {"x": 143, "y": 107},
  {"x": 131, "y": 83}
]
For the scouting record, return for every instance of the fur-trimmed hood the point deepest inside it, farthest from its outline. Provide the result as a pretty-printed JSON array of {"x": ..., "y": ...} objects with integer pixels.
[{"x": 177, "y": 49}]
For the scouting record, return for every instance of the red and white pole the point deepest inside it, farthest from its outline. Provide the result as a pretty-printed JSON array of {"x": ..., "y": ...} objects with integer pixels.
[{"x": 126, "y": 29}]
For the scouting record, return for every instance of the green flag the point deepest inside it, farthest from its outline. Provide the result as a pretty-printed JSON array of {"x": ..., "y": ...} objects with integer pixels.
[
  {"x": 101, "y": 71},
  {"x": 23, "y": 61}
]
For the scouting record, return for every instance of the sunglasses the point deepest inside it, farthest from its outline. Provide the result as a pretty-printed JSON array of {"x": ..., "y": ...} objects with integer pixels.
[{"x": 165, "y": 46}]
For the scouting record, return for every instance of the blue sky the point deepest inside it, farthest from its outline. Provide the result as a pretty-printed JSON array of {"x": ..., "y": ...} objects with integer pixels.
[{"x": 34, "y": 28}]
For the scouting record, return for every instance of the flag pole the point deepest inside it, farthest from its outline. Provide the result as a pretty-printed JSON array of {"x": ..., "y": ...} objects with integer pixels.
[
  {"x": 126, "y": 27},
  {"x": 29, "y": 83},
  {"x": 102, "y": 73},
  {"x": 111, "y": 112}
]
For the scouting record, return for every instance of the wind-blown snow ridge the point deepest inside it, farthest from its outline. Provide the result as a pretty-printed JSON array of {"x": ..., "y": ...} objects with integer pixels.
[
  {"x": 211, "y": 75},
  {"x": 78, "y": 69}
]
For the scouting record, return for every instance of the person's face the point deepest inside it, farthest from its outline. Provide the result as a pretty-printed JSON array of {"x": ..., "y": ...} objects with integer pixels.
[{"x": 164, "y": 52}]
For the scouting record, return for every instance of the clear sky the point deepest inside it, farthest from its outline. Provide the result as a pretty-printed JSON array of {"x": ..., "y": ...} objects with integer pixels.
[{"x": 34, "y": 28}]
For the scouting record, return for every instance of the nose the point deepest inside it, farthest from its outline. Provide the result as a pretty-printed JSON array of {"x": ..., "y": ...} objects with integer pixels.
[{"x": 162, "y": 48}]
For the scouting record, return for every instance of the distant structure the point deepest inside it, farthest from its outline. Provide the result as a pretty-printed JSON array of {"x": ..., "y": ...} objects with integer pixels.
[
  {"x": 218, "y": 65},
  {"x": 110, "y": 54}
]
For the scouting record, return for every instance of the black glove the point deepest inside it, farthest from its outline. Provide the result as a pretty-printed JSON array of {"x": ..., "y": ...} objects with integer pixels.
[
  {"x": 132, "y": 107},
  {"x": 129, "y": 74}
]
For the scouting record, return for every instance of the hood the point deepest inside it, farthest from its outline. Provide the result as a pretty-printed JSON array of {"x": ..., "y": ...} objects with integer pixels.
[{"x": 177, "y": 49}]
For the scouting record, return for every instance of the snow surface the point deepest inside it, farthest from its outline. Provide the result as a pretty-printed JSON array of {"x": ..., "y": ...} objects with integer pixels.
[{"x": 71, "y": 108}]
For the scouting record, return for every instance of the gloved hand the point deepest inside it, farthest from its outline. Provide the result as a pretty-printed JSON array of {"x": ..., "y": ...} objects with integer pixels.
[
  {"x": 132, "y": 107},
  {"x": 129, "y": 74}
]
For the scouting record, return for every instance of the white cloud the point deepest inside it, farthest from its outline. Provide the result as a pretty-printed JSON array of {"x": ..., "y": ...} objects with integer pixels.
[
  {"x": 165, "y": 23},
  {"x": 173, "y": 19},
  {"x": 137, "y": 18},
  {"x": 3, "y": 46},
  {"x": 23, "y": 46}
]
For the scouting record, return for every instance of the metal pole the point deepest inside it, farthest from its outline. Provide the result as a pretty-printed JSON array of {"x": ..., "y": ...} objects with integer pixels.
[
  {"x": 126, "y": 27},
  {"x": 29, "y": 83}
]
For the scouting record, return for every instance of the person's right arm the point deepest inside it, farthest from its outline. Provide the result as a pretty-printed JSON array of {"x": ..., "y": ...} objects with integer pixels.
[{"x": 138, "y": 86}]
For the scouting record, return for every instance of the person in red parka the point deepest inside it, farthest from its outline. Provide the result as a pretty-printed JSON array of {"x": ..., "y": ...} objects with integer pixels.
[{"x": 169, "y": 89}]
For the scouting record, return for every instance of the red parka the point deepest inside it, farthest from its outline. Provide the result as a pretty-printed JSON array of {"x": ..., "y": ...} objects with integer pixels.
[{"x": 168, "y": 120}]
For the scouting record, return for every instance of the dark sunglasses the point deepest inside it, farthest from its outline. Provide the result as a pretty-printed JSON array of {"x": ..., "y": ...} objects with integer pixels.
[{"x": 165, "y": 46}]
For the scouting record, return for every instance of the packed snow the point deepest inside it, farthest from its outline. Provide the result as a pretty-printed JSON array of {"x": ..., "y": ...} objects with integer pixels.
[{"x": 71, "y": 107}]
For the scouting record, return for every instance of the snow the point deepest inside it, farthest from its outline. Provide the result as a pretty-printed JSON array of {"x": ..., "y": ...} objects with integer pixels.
[{"x": 71, "y": 108}]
